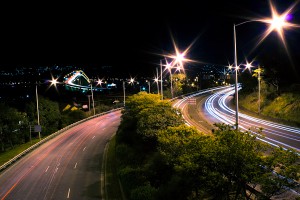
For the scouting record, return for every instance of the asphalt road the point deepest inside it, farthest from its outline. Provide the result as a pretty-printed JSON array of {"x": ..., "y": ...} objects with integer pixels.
[
  {"x": 66, "y": 167},
  {"x": 213, "y": 107},
  {"x": 275, "y": 134}
]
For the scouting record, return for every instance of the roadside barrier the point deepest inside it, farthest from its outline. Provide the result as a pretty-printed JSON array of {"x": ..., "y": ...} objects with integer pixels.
[{"x": 20, "y": 155}]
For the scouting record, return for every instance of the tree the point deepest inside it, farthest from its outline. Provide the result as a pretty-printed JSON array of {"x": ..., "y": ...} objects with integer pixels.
[
  {"x": 49, "y": 113},
  {"x": 159, "y": 117},
  {"x": 178, "y": 82},
  {"x": 189, "y": 152},
  {"x": 12, "y": 125},
  {"x": 282, "y": 172}
]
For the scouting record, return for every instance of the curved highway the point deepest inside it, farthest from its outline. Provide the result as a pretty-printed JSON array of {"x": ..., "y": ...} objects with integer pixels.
[
  {"x": 213, "y": 108},
  {"x": 66, "y": 167}
]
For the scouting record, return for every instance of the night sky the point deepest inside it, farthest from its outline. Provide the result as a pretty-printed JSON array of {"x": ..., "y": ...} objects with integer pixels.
[{"x": 130, "y": 36}]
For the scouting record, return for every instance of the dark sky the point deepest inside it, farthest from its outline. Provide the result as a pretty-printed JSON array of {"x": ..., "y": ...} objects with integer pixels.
[{"x": 129, "y": 35}]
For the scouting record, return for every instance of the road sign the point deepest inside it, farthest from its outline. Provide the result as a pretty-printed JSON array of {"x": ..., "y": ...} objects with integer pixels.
[
  {"x": 37, "y": 128},
  {"x": 192, "y": 101}
]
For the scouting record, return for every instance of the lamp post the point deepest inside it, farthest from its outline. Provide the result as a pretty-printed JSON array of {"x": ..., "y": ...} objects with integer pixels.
[
  {"x": 161, "y": 81},
  {"x": 131, "y": 81},
  {"x": 156, "y": 80},
  {"x": 169, "y": 67},
  {"x": 259, "y": 70},
  {"x": 277, "y": 22},
  {"x": 93, "y": 98},
  {"x": 148, "y": 86},
  {"x": 37, "y": 108},
  {"x": 124, "y": 92}
]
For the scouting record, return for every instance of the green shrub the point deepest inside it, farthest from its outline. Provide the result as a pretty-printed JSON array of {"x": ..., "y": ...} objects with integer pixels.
[{"x": 146, "y": 192}]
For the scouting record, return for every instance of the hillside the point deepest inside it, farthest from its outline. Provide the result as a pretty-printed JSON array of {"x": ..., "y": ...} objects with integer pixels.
[{"x": 285, "y": 108}]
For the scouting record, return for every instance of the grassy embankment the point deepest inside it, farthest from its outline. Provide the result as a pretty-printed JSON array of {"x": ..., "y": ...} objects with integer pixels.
[
  {"x": 7, "y": 155},
  {"x": 283, "y": 109}
]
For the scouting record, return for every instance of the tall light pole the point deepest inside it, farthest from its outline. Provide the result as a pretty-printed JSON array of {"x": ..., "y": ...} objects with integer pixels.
[
  {"x": 156, "y": 80},
  {"x": 37, "y": 108},
  {"x": 93, "y": 98},
  {"x": 124, "y": 92},
  {"x": 169, "y": 67},
  {"x": 236, "y": 81},
  {"x": 148, "y": 86},
  {"x": 258, "y": 77},
  {"x": 277, "y": 22},
  {"x": 131, "y": 81},
  {"x": 161, "y": 81}
]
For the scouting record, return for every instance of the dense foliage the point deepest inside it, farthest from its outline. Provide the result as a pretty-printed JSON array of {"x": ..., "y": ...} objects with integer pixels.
[
  {"x": 16, "y": 127},
  {"x": 159, "y": 157}
]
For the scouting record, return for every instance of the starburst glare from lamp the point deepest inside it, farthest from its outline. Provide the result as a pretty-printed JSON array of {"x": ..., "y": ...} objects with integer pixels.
[
  {"x": 248, "y": 66},
  {"x": 53, "y": 82},
  {"x": 131, "y": 80},
  {"x": 278, "y": 22},
  {"x": 99, "y": 82}
]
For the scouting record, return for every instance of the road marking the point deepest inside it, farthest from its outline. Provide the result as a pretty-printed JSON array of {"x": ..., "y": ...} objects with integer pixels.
[
  {"x": 84, "y": 149},
  {"x": 47, "y": 168},
  {"x": 93, "y": 137},
  {"x": 68, "y": 196},
  {"x": 75, "y": 166}
]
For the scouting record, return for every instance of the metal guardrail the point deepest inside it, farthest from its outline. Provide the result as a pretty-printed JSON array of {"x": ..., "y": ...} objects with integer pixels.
[{"x": 17, "y": 157}]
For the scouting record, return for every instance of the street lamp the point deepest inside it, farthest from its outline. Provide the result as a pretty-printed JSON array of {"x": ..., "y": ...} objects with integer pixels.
[
  {"x": 277, "y": 22},
  {"x": 156, "y": 80},
  {"x": 161, "y": 81},
  {"x": 92, "y": 97},
  {"x": 131, "y": 81},
  {"x": 148, "y": 86},
  {"x": 169, "y": 67},
  {"x": 37, "y": 109},
  {"x": 53, "y": 82}
]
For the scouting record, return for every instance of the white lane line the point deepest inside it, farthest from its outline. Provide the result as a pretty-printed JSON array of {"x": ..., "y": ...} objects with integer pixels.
[
  {"x": 93, "y": 137},
  {"x": 75, "y": 166},
  {"x": 47, "y": 168},
  {"x": 68, "y": 196},
  {"x": 84, "y": 149}
]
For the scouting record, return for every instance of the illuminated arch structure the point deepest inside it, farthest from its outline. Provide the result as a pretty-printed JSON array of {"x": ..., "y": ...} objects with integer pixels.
[{"x": 78, "y": 80}]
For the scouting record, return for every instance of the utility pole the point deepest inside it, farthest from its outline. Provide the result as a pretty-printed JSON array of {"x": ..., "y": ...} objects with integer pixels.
[
  {"x": 258, "y": 89},
  {"x": 161, "y": 89},
  {"x": 37, "y": 109},
  {"x": 124, "y": 92},
  {"x": 157, "y": 81}
]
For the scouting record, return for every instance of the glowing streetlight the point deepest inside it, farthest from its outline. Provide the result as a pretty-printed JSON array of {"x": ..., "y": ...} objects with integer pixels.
[
  {"x": 92, "y": 97},
  {"x": 169, "y": 68},
  {"x": 156, "y": 80},
  {"x": 161, "y": 81},
  {"x": 99, "y": 82},
  {"x": 278, "y": 23},
  {"x": 53, "y": 82},
  {"x": 124, "y": 95},
  {"x": 37, "y": 108}
]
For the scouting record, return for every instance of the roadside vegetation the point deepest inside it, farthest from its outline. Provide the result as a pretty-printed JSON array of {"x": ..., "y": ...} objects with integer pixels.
[
  {"x": 159, "y": 157},
  {"x": 17, "y": 126},
  {"x": 277, "y": 101}
]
